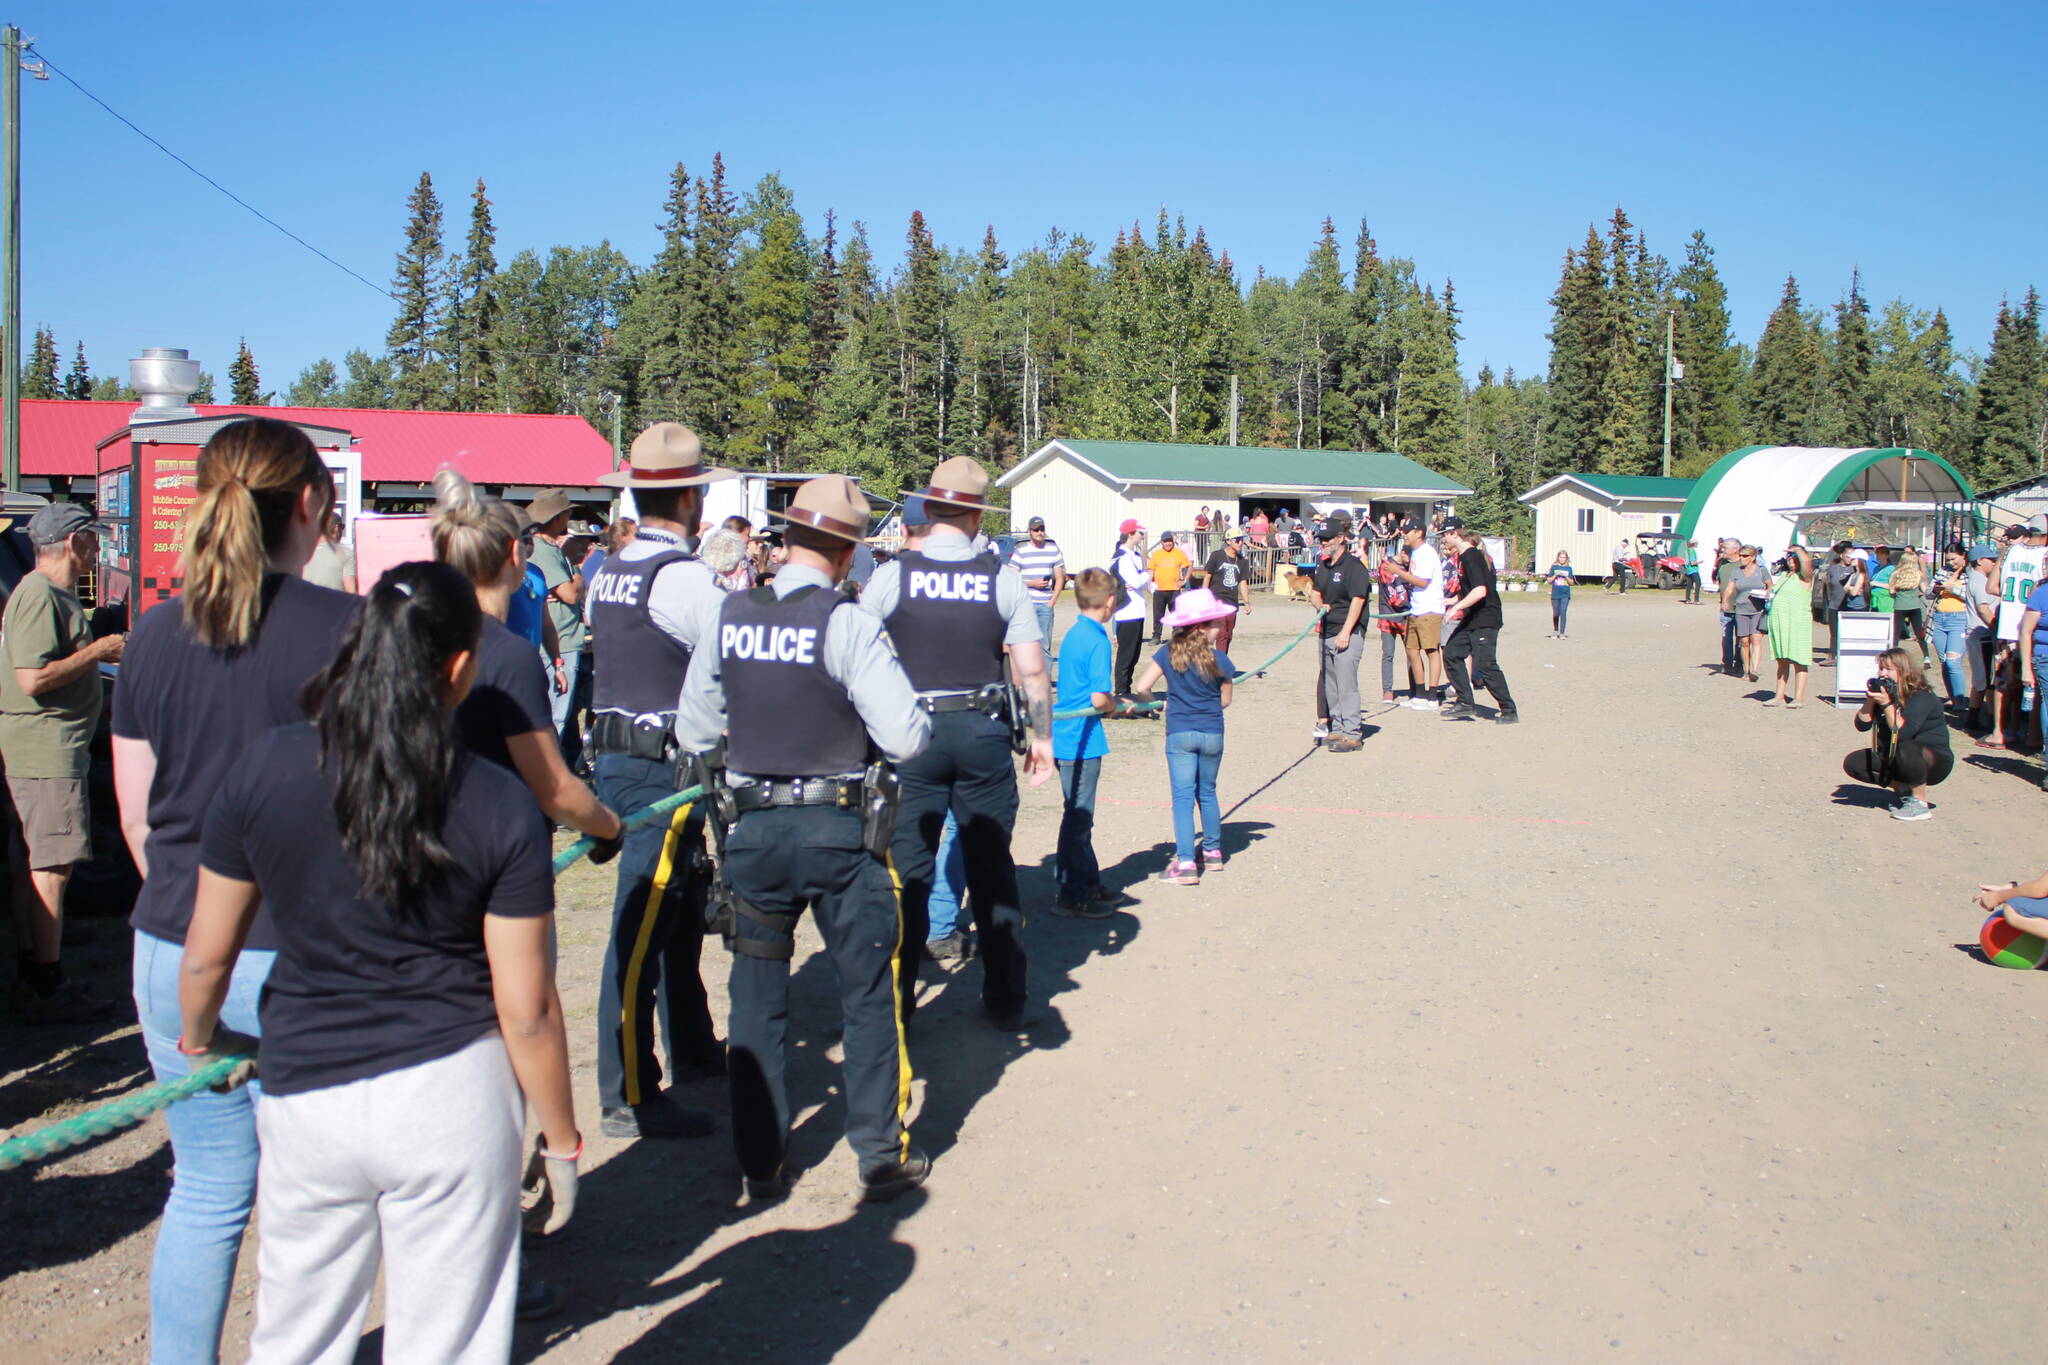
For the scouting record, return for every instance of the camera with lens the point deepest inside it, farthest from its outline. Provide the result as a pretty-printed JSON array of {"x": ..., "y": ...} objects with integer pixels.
[
  {"x": 1883, "y": 686},
  {"x": 1782, "y": 566}
]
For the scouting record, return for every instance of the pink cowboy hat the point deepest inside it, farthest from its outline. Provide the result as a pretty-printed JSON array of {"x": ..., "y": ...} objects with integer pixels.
[{"x": 1196, "y": 608}]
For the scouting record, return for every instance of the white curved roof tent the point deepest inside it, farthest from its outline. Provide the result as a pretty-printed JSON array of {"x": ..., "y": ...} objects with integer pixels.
[{"x": 1758, "y": 493}]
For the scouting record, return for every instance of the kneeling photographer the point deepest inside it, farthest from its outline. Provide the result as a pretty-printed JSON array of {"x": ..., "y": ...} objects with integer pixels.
[{"x": 1909, "y": 750}]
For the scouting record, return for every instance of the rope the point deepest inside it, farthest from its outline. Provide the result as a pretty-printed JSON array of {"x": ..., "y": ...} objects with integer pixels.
[
  {"x": 106, "y": 1118},
  {"x": 130, "y": 1109}
]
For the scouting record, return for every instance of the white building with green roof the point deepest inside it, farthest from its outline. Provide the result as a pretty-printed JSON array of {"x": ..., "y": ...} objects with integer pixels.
[{"x": 1086, "y": 489}]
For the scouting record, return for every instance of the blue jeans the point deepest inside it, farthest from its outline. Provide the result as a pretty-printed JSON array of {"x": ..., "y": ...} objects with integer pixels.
[
  {"x": 951, "y": 882},
  {"x": 1074, "y": 865},
  {"x": 1949, "y": 630},
  {"x": 1560, "y": 607},
  {"x": 213, "y": 1150},
  {"x": 560, "y": 702},
  {"x": 1731, "y": 654},
  {"x": 1192, "y": 758},
  {"x": 1044, "y": 610}
]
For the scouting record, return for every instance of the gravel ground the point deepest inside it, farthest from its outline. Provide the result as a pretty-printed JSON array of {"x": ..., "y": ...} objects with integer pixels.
[{"x": 1633, "y": 1031}]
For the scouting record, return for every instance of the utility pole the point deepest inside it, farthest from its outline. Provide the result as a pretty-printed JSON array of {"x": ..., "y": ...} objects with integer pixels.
[
  {"x": 618, "y": 451},
  {"x": 1667, "y": 393},
  {"x": 10, "y": 93},
  {"x": 1233, "y": 409}
]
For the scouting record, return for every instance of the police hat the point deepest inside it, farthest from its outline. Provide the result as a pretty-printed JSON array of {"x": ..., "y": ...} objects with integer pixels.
[
  {"x": 959, "y": 484},
  {"x": 666, "y": 455},
  {"x": 830, "y": 503}
]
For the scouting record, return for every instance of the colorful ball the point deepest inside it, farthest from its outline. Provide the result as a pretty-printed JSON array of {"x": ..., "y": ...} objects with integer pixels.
[{"x": 2008, "y": 947}]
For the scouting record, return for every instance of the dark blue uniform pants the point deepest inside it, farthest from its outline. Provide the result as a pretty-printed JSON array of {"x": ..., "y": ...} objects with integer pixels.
[
  {"x": 782, "y": 861},
  {"x": 968, "y": 769},
  {"x": 650, "y": 965}
]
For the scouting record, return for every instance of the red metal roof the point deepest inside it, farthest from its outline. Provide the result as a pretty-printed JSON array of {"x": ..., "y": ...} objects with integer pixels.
[{"x": 59, "y": 437}]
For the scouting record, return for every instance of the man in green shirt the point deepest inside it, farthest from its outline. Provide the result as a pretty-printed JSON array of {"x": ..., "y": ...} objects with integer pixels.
[
  {"x": 549, "y": 517},
  {"x": 49, "y": 707}
]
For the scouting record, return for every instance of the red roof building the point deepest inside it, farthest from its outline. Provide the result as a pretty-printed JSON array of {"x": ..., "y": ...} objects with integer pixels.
[{"x": 400, "y": 450}]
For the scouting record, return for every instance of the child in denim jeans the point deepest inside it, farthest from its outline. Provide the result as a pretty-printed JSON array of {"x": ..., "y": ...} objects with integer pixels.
[{"x": 1198, "y": 688}]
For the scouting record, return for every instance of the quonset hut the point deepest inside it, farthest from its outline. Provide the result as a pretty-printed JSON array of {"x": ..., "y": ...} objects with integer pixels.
[{"x": 1770, "y": 496}]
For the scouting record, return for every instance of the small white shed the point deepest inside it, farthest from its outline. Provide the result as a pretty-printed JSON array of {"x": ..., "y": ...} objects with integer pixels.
[{"x": 1588, "y": 515}]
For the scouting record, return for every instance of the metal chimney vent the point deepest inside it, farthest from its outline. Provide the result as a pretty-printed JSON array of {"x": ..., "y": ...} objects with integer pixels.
[{"x": 165, "y": 377}]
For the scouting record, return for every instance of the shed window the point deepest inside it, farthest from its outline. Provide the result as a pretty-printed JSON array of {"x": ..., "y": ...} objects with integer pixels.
[{"x": 1585, "y": 522}]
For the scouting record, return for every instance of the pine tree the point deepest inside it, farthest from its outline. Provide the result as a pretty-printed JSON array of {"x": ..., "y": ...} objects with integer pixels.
[
  {"x": 1706, "y": 414},
  {"x": 245, "y": 383},
  {"x": 1369, "y": 359},
  {"x": 650, "y": 381},
  {"x": 78, "y": 380},
  {"x": 828, "y": 323},
  {"x": 1621, "y": 434},
  {"x": 2005, "y": 429},
  {"x": 774, "y": 299},
  {"x": 39, "y": 376},
  {"x": 920, "y": 310},
  {"x": 1319, "y": 327},
  {"x": 1786, "y": 378},
  {"x": 420, "y": 377},
  {"x": 204, "y": 392},
  {"x": 109, "y": 389},
  {"x": 981, "y": 398},
  {"x": 1576, "y": 362},
  {"x": 318, "y": 386},
  {"x": 1430, "y": 408},
  {"x": 471, "y": 312},
  {"x": 713, "y": 332}
]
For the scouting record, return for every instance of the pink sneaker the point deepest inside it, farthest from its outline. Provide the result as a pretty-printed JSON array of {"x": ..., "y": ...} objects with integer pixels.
[
  {"x": 1182, "y": 874},
  {"x": 1212, "y": 858}
]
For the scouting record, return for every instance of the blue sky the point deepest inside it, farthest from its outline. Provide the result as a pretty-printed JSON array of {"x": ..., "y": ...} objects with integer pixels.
[{"x": 1480, "y": 139}]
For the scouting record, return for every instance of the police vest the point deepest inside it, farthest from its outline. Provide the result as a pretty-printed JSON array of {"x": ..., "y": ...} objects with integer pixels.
[
  {"x": 785, "y": 715},
  {"x": 640, "y": 666},
  {"x": 946, "y": 625}
]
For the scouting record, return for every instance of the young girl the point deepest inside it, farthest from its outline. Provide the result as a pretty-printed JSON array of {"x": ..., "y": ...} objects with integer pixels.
[
  {"x": 412, "y": 1003},
  {"x": 1561, "y": 580},
  {"x": 1198, "y": 689}
]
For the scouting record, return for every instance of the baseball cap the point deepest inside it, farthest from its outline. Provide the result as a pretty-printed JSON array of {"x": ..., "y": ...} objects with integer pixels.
[
  {"x": 1234, "y": 533},
  {"x": 1130, "y": 525},
  {"x": 914, "y": 511},
  {"x": 1983, "y": 550},
  {"x": 1454, "y": 523},
  {"x": 58, "y": 522},
  {"x": 2015, "y": 531},
  {"x": 1337, "y": 525},
  {"x": 1035, "y": 524}
]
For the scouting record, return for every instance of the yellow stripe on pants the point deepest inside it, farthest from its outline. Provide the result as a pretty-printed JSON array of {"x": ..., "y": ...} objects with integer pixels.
[
  {"x": 903, "y": 1073},
  {"x": 629, "y": 997}
]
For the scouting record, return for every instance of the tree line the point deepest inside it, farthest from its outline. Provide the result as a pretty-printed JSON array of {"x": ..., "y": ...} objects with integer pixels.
[{"x": 797, "y": 346}]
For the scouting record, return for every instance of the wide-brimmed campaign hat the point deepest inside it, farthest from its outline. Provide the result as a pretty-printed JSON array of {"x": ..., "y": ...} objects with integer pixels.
[
  {"x": 958, "y": 484},
  {"x": 830, "y": 503},
  {"x": 666, "y": 455},
  {"x": 1196, "y": 607},
  {"x": 548, "y": 506}
]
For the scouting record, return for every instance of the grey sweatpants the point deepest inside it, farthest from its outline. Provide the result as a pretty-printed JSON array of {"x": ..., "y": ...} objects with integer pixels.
[
  {"x": 417, "y": 1168},
  {"x": 1340, "y": 683}
]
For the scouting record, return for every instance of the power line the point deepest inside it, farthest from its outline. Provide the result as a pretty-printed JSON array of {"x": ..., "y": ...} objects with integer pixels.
[{"x": 45, "y": 59}]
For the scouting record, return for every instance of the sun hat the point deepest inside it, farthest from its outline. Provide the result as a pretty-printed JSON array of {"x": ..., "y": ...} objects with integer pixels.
[
  {"x": 959, "y": 484},
  {"x": 830, "y": 503},
  {"x": 1196, "y": 607},
  {"x": 548, "y": 506},
  {"x": 666, "y": 455}
]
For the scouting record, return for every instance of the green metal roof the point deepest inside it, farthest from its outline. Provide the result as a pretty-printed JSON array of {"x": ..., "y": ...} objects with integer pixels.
[
  {"x": 1637, "y": 486},
  {"x": 1259, "y": 466}
]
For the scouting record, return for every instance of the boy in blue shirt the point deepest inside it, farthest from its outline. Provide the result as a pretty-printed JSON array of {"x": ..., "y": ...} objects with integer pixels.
[{"x": 1087, "y": 665}]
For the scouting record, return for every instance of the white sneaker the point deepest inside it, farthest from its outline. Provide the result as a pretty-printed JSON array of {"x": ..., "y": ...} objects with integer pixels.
[
  {"x": 1426, "y": 704},
  {"x": 1322, "y": 730}
]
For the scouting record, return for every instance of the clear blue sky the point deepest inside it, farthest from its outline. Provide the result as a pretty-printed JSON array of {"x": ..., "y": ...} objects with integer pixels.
[{"x": 1480, "y": 139}]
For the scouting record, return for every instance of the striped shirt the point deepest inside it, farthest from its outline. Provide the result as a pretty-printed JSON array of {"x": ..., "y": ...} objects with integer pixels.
[{"x": 1034, "y": 562}]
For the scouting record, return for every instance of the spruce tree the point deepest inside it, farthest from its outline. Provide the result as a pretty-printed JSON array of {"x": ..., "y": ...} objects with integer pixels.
[
  {"x": 471, "y": 311},
  {"x": 1576, "y": 362},
  {"x": 78, "y": 380},
  {"x": 318, "y": 386},
  {"x": 1707, "y": 403},
  {"x": 2005, "y": 429},
  {"x": 828, "y": 324},
  {"x": 1850, "y": 421},
  {"x": 1369, "y": 359},
  {"x": 420, "y": 378},
  {"x": 204, "y": 392},
  {"x": 1621, "y": 432},
  {"x": 1319, "y": 327},
  {"x": 713, "y": 332},
  {"x": 1786, "y": 377},
  {"x": 245, "y": 383},
  {"x": 39, "y": 376},
  {"x": 920, "y": 309},
  {"x": 1430, "y": 408},
  {"x": 650, "y": 378}
]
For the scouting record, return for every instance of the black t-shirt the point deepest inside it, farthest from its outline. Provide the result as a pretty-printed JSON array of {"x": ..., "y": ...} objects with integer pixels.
[
  {"x": 199, "y": 709},
  {"x": 1224, "y": 574},
  {"x": 1474, "y": 569},
  {"x": 1339, "y": 581},
  {"x": 1925, "y": 722},
  {"x": 510, "y": 696},
  {"x": 359, "y": 989}
]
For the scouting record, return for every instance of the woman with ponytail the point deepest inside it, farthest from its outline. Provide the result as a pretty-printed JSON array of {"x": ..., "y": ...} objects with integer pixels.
[
  {"x": 506, "y": 717},
  {"x": 205, "y": 675},
  {"x": 412, "y": 1004}
]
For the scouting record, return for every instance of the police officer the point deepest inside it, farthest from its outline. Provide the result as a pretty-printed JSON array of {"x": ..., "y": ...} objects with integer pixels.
[
  {"x": 646, "y": 606},
  {"x": 953, "y": 615},
  {"x": 804, "y": 687}
]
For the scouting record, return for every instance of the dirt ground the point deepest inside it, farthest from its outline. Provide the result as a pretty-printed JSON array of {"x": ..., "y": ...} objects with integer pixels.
[{"x": 1633, "y": 1032}]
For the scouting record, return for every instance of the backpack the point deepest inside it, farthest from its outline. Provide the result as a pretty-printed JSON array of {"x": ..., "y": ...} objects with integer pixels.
[{"x": 1393, "y": 588}]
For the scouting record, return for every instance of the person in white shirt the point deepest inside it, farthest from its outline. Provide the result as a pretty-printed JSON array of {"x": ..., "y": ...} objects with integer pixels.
[
  {"x": 1425, "y": 578},
  {"x": 1135, "y": 573}
]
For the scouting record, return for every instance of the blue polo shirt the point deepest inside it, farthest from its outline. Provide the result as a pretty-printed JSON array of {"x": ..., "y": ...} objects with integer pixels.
[
  {"x": 1087, "y": 662},
  {"x": 529, "y": 600}
]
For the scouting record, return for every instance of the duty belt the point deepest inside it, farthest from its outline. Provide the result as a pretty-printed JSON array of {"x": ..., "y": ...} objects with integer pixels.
[
  {"x": 644, "y": 736},
  {"x": 761, "y": 793},
  {"x": 938, "y": 703}
]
